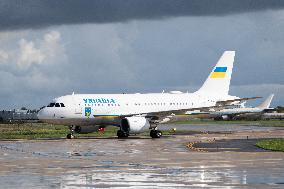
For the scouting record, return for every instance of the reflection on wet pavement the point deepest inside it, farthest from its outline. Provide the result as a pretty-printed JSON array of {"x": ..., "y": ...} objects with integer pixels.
[{"x": 144, "y": 163}]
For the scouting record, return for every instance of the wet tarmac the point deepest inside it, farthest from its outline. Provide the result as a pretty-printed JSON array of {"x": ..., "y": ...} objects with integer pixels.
[{"x": 219, "y": 157}]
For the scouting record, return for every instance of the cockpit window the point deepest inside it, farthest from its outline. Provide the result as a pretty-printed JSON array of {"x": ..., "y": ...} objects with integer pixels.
[{"x": 51, "y": 105}]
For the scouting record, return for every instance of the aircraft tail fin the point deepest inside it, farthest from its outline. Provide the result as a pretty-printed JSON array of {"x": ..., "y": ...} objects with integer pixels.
[
  {"x": 218, "y": 82},
  {"x": 266, "y": 103}
]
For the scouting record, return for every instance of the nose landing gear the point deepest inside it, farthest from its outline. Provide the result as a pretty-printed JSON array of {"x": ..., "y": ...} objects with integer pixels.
[
  {"x": 70, "y": 136},
  {"x": 72, "y": 131}
]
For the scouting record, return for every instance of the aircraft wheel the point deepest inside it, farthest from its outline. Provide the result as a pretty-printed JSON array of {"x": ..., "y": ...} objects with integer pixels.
[
  {"x": 70, "y": 136},
  {"x": 122, "y": 134},
  {"x": 155, "y": 133}
]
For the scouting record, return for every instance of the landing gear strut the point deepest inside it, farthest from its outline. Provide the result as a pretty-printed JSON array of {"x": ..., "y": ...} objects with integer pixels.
[
  {"x": 124, "y": 130},
  {"x": 155, "y": 133},
  {"x": 71, "y": 134}
]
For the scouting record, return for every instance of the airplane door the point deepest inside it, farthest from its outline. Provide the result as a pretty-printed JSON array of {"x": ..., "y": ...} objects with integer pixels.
[{"x": 77, "y": 107}]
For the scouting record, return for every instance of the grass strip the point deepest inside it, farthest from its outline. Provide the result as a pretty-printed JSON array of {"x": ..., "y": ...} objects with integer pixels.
[
  {"x": 42, "y": 130},
  {"x": 272, "y": 144},
  {"x": 49, "y": 131}
]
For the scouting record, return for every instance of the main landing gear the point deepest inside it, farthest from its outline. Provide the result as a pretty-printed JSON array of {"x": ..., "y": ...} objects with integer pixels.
[
  {"x": 122, "y": 134},
  {"x": 155, "y": 133}
]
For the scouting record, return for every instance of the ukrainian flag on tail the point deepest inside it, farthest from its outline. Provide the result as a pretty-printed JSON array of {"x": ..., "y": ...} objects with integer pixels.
[{"x": 219, "y": 72}]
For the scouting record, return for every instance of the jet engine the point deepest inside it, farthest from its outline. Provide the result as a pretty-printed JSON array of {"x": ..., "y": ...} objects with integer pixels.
[
  {"x": 86, "y": 129},
  {"x": 225, "y": 117},
  {"x": 134, "y": 125},
  {"x": 222, "y": 117}
]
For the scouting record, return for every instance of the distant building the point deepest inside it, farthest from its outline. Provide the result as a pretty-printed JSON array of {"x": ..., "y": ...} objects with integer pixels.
[
  {"x": 18, "y": 114},
  {"x": 273, "y": 115}
]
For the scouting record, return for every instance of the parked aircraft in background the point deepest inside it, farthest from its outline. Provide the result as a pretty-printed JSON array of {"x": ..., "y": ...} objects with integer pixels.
[
  {"x": 235, "y": 111},
  {"x": 135, "y": 113}
]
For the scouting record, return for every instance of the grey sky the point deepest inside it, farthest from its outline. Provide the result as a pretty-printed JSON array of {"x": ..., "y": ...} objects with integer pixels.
[
  {"x": 46, "y": 51},
  {"x": 20, "y": 14}
]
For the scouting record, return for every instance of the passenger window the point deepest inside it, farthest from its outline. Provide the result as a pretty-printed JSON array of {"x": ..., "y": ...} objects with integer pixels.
[
  {"x": 57, "y": 105},
  {"x": 62, "y": 105}
]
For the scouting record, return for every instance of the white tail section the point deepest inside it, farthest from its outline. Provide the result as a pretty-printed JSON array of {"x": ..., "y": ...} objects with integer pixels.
[
  {"x": 218, "y": 82},
  {"x": 266, "y": 103}
]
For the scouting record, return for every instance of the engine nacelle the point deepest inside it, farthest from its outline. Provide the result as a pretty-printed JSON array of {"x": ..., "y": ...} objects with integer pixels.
[
  {"x": 225, "y": 117},
  {"x": 135, "y": 124},
  {"x": 221, "y": 117},
  {"x": 86, "y": 129}
]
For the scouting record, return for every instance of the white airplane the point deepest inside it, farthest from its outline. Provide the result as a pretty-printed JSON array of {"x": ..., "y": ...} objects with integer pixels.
[
  {"x": 245, "y": 111},
  {"x": 135, "y": 113}
]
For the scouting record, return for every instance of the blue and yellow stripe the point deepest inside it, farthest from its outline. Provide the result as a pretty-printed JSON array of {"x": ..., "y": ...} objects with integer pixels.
[
  {"x": 219, "y": 72},
  {"x": 107, "y": 116}
]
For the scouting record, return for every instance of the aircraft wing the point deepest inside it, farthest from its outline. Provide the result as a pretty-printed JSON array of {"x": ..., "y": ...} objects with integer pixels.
[
  {"x": 180, "y": 111},
  {"x": 229, "y": 102},
  {"x": 160, "y": 115}
]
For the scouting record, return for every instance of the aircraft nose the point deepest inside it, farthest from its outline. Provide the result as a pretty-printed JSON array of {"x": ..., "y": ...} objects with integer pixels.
[{"x": 42, "y": 114}]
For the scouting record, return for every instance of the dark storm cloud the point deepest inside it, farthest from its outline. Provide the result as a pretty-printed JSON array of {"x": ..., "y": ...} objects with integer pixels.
[{"x": 22, "y": 14}]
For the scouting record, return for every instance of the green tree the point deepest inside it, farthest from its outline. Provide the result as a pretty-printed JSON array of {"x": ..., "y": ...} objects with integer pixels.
[{"x": 280, "y": 109}]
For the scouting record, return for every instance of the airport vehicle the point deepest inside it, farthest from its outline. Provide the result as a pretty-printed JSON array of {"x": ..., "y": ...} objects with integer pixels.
[{"x": 136, "y": 113}]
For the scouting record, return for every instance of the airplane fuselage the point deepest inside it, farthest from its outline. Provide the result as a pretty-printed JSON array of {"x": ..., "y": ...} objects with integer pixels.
[
  {"x": 237, "y": 111},
  {"x": 94, "y": 109},
  {"x": 134, "y": 113}
]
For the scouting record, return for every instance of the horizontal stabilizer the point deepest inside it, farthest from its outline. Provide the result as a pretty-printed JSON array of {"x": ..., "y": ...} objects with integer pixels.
[{"x": 229, "y": 102}]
